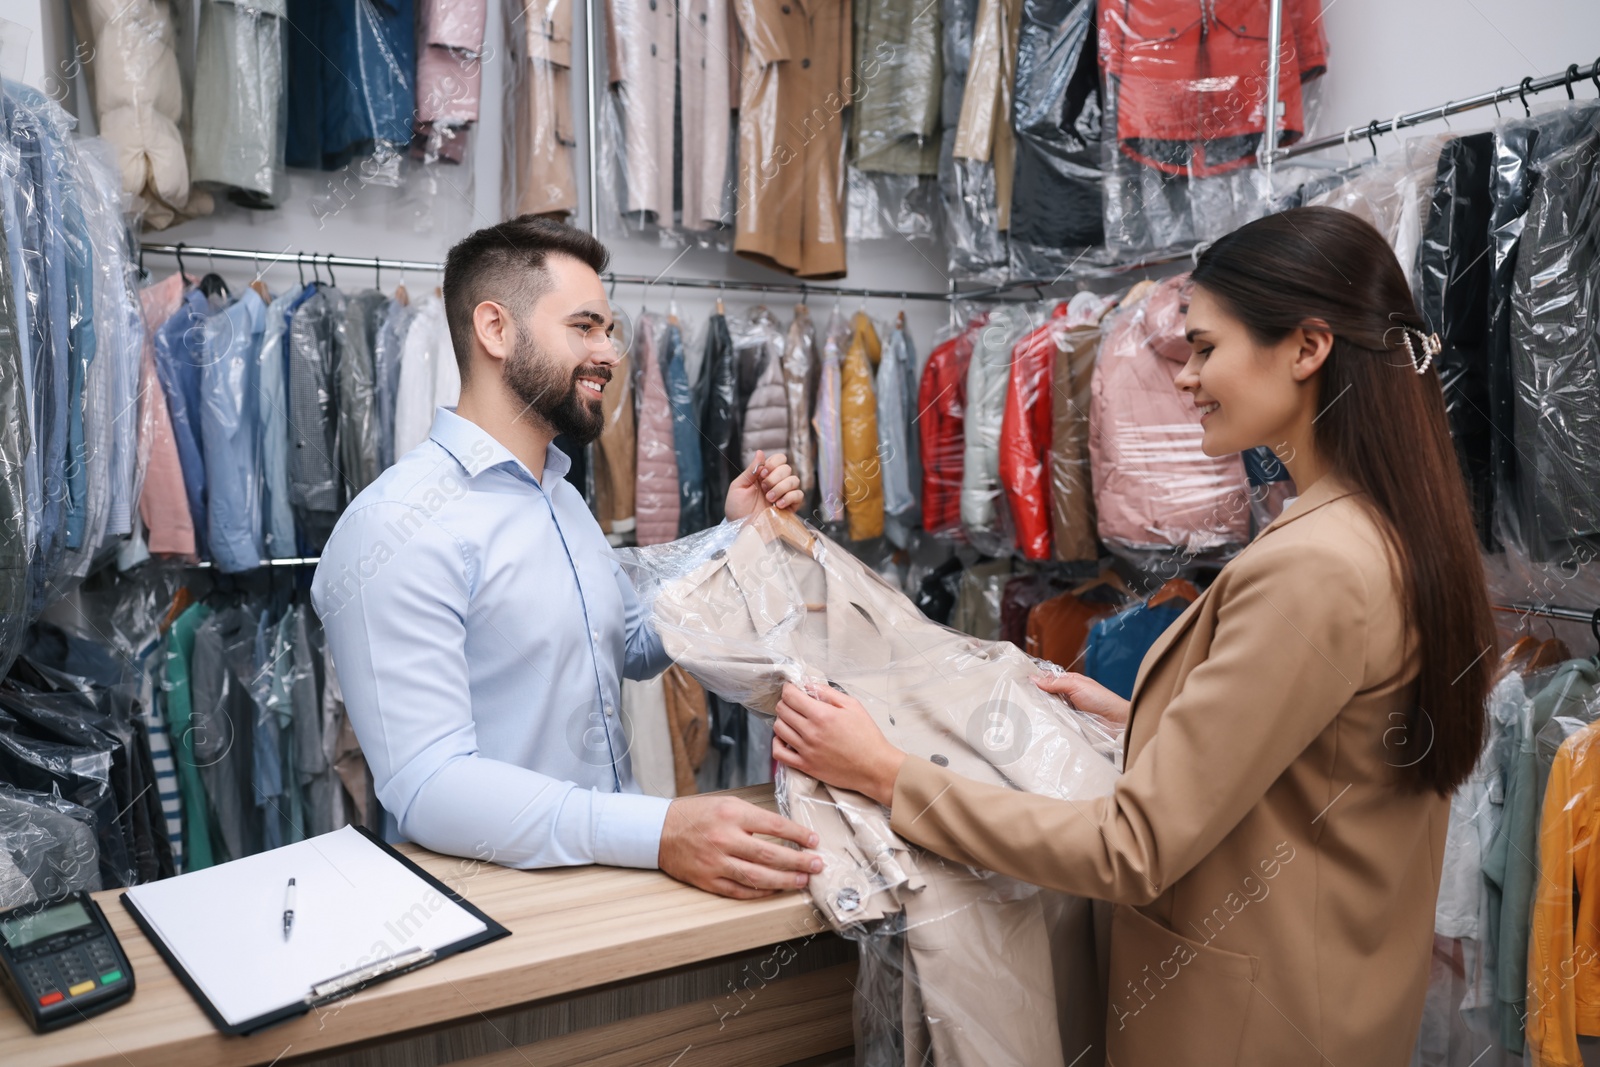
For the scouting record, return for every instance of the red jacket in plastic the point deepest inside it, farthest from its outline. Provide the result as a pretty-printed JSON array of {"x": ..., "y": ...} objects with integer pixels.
[
  {"x": 941, "y": 429},
  {"x": 1191, "y": 78},
  {"x": 1025, "y": 437}
]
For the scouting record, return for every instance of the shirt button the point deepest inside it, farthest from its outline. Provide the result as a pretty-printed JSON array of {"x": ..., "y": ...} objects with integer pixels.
[
  {"x": 595, "y": 634},
  {"x": 609, "y": 709},
  {"x": 805, "y": 63}
]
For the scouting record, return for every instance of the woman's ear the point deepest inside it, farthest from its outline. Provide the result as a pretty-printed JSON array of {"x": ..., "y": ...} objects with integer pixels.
[{"x": 1314, "y": 341}]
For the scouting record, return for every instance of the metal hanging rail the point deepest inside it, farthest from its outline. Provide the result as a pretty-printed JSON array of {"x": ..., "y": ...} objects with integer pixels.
[
  {"x": 1520, "y": 91},
  {"x": 316, "y": 258},
  {"x": 1550, "y": 611}
]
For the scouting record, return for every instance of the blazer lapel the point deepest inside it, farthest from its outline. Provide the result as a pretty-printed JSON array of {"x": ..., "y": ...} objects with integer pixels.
[{"x": 1324, "y": 490}]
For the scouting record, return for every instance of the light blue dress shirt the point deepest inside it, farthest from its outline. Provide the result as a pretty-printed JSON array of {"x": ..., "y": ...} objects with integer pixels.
[
  {"x": 229, "y": 430},
  {"x": 481, "y": 627}
]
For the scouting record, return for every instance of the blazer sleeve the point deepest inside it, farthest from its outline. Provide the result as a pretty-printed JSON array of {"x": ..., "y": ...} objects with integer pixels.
[{"x": 1288, "y": 652}]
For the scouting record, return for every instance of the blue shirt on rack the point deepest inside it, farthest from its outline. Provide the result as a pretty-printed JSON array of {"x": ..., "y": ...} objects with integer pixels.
[
  {"x": 480, "y": 628},
  {"x": 229, "y": 430}
]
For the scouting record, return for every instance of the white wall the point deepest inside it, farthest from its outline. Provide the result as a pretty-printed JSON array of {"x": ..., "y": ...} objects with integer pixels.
[{"x": 1385, "y": 56}]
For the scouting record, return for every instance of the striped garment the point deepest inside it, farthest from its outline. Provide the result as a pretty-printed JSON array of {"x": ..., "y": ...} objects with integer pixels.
[{"x": 155, "y": 719}]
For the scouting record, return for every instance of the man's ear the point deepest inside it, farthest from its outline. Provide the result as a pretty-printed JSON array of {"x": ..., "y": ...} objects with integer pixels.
[{"x": 492, "y": 326}]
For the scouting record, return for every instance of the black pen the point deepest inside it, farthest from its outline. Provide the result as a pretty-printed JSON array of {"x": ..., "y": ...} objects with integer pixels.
[{"x": 288, "y": 909}]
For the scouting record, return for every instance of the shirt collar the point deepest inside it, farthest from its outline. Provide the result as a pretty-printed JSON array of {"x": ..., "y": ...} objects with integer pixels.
[{"x": 477, "y": 451}]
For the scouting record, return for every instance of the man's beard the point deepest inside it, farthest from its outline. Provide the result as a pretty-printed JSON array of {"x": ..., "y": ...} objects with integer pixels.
[{"x": 556, "y": 398}]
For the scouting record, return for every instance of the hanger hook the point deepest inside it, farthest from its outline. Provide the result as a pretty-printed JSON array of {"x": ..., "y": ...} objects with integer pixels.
[
  {"x": 1522, "y": 94},
  {"x": 331, "y": 279},
  {"x": 177, "y": 253},
  {"x": 1572, "y": 76},
  {"x": 377, "y": 273},
  {"x": 1594, "y": 74},
  {"x": 1594, "y": 626},
  {"x": 1372, "y": 132},
  {"x": 300, "y": 267}
]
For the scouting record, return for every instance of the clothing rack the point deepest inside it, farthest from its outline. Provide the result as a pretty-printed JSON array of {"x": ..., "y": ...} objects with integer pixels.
[
  {"x": 1550, "y": 611},
  {"x": 1520, "y": 91},
  {"x": 313, "y": 259}
]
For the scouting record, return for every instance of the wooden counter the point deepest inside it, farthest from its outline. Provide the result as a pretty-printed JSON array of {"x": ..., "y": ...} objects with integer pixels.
[{"x": 603, "y": 966}]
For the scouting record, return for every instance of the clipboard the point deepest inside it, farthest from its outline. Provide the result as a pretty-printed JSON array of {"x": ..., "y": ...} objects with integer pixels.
[{"x": 320, "y": 988}]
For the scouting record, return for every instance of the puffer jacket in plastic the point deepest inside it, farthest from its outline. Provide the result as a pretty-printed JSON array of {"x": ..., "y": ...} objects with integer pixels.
[
  {"x": 758, "y": 352},
  {"x": 858, "y": 424},
  {"x": 1154, "y": 490},
  {"x": 1025, "y": 435},
  {"x": 941, "y": 429},
  {"x": 132, "y": 65},
  {"x": 656, "y": 494},
  {"x": 685, "y": 433},
  {"x": 720, "y": 414}
]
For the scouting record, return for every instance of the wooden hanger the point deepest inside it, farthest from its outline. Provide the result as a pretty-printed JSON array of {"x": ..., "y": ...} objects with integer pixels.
[
  {"x": 784, "y": 525},
  {"x": 1550, "y": 653},
  {"x": 1107, "y": 577},
  {"x": 1174, "y": 589}
]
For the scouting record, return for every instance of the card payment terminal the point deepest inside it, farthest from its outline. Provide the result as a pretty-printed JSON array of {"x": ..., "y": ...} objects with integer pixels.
[{"x": 61, "y": 961}]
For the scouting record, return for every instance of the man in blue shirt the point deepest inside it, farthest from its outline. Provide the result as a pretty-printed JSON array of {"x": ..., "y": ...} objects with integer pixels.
[{"x": 479, "y": 622}]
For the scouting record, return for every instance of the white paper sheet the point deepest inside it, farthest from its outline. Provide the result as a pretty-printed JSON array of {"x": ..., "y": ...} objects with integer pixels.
[{"x": 354, "y": 906}]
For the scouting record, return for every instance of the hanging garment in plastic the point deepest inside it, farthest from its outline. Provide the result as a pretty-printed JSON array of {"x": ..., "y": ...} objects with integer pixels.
[
  {"x": 352, "y": 84},
  {"x": 708, "y": 70},
  {"x": 1155, "y": 492},
  {"x": 163, "y": 504},
  {"x": 1555, "y": 356},
  {"x": 317, "y": 343},
  {"x": 720, "y": 414},
  {"x": 1452, "y": 287},
  {"x": 430, "y": 377},
  {"x": 791, "y": 135},
  {"x": 656, "y": 496},
  {"x": 1072, "y": 516},
  {"x": 642, "y": 54},
  {"x": 967, "y": 188},
  {"x": 616, "y": 452},
  {"x": 801, "y": 373},
  {"x": 16, "y": 547},
  {"x": 752, "y": 605},
  {"x": 858, "y": 431},
  {"x": 449, "y": 77},
  {"x": 758, "y": 342},
  {"x": 1522, "y": 147},
  {"x": 47, "y": 848},
  {"x": 984, "y": 133},
  {"x": 900, "y": 71},
  {"x": 941, "y": 429},
  {"x": 1056, "y": 205},
  {"x": 132, "y": 69},
  {"x": 358, "y": 415},
  {"x": 539, "y": 171},
  {"x": 897, "y": 455},
  {"x": 693, "y": 507},
  {"x": 1393, "y": 195},
  {"x": 825, "y": 421},
  {"x": 983, "y": 510},
  {"x": 1025, "y": 431},
  {"x": 229, "y": 425},
  {"x": 238, "y": 99}
]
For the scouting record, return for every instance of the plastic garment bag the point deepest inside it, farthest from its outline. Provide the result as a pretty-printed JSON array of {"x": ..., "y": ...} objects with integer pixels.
[
  {"x": 46, "y": 847},
  {"x": 958, "y": 960},
  {"x": 352, "y": 85},
  {"x": 801, "y": 372},
  {"x": 539, "y": 174},
  {"x": 895, "y": 130},
  {"x": 1555, "y": 355},
  {"x": 858, "y": 426},
  {"x": 239, "y": 100},
  {"x": 897, "y": 398},
  {"x": 18, "y": 518},
  {"x": 449, "y": 77},
  {"x": 656, "y": 496},
  {"x": 1393, "y": 195},
  {"x": 984, "y": 515},
  {"x": 1452, "y": 287},
  {"x": 941, "y": 428},
  {"x": 720, "y": 414},
  {"x": 967, "y": 188},
  {"x": 1156, "y": 493},
  {"x": 758, "y": 343},
  {"x": 1185, "y": 113},
  {"x": 826, "y": 420},
  {"x": 1056, "y": 208},
  {"x": 130, "y": 55},
  {"x": 686, "y": 442}
]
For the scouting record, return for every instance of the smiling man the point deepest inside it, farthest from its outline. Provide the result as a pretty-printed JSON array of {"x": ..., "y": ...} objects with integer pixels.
[{"x": 481, "y": 627}]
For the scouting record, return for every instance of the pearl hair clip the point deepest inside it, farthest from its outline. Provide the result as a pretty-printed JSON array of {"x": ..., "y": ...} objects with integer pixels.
[{"x": 1428, "y": 342}]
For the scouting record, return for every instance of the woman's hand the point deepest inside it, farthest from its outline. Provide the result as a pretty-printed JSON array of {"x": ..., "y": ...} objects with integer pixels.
[
  {"x": 831, "y": 737},
  {"x": 1086, "y": 694},
  {"x": 766, "y": 481}
]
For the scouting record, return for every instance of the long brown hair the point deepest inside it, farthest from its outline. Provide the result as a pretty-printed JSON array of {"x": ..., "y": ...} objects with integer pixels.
[{"x": 1381, "y": 427}]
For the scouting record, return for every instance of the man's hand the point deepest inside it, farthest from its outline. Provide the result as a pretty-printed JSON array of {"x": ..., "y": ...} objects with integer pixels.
[
  {"x": 710, "y": 842},
  {"x": 766, "y": 481}
]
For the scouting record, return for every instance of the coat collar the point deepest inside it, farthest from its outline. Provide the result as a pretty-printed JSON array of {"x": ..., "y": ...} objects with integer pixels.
[{"x": 1323, "y": 491}]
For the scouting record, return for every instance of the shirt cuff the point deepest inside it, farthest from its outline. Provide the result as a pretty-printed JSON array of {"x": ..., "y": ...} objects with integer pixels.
[{"x": 627, "y": 829}]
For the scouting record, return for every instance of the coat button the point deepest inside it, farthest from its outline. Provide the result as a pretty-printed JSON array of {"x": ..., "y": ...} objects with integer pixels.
[
  {"x": 719, "y": 553},
  {"x": 939, "y": 761},
  {"x": 652, "y": 49},
  {"x": 848, "y": 899},
  {"x": 805, "y": 62},
  {"x": 702, "y": 16}
]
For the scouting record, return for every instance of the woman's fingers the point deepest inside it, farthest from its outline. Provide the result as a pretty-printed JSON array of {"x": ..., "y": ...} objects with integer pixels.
[{"x": 787, "y": 734}]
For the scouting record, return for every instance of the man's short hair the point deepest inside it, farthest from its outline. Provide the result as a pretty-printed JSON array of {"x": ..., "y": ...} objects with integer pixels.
[{"x": 506, "y": 263}]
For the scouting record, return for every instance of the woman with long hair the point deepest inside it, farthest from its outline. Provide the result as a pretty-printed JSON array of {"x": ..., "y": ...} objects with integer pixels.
[{"x": 1273, "y": 847}]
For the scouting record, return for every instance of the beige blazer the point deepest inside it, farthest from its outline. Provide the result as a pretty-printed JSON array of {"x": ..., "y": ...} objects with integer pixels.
[{"x": 1274, "y": 886}]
